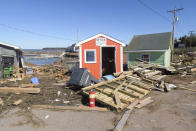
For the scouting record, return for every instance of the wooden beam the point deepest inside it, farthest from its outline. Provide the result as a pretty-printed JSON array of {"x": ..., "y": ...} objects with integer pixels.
[
  {"x": 102, "y": 83},
  {"x": 109, "y": 95},
  {"x": 28, "y": 85},
  {"x": 17, "y": 102},
  {"x": 125, "y": 116},
  {"x": 116, "y": 90},
  {"x": 122, "y": 91},
  {"x": 138, "y": 90},
  {"x": 117, "y": 99},
  {"x": 144, "y": 103},
  {"x": 81, "y": 108},
  {"x": 19, "y": 90}
]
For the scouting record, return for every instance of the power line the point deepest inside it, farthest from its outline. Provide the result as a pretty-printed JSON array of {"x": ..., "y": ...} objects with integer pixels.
[
  {"x": 34, "y": 33},
  {"x": 156, "y": 12}
]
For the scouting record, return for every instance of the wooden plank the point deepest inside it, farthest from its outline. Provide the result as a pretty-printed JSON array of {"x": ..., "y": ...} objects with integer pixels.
[
  {"x": 142, "y": 104},
  {"x": 117, "y": 99},
  {"x": 150, "y": 74},
  {"x": 142, "y": 85},
  {"x": 116, "y": 90},
  {"x": 148, "y": 98},
  {"x": 193, "y": 70},
  {"x": 132, "y": 105},
  {"x": 82, "y": 108},
  {"x": 19, "y": 90},
  {"x": 28, "y": 85},
  {"x": 135, "y": 88},
  {"x": 127, "y": 93},
  {"x": 1, "y": 101},
  {"x": 108, "y": 93},
  {"x": 125, "y": 116},
  {"x": 17, "y": 102},
  {"x": 102, "y": 83}
]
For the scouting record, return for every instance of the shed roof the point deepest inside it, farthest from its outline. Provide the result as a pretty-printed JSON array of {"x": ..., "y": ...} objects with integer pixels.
[
  {"x": 158, "y": 41},
  {"x": 98, "y": 35},
  {"x": 12, "y": 46}
]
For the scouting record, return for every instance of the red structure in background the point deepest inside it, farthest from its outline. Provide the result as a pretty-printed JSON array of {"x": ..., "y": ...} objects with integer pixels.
[{"x": 101, "y": 54}]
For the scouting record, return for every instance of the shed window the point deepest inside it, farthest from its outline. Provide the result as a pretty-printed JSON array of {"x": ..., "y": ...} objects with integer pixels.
[
  {"x": 90, "y": 56},
  {"x": 146, "y": 57}
]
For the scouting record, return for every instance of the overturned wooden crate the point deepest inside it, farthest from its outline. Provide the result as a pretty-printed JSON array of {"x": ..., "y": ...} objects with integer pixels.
[{"x": 120, "y": 92}]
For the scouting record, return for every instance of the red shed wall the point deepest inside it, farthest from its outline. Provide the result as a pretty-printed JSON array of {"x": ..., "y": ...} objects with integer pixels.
[{"x": 94, "y": 68}]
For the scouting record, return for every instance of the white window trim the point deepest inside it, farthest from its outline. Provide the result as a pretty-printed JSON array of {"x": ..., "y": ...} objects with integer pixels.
[
  {"x": 85, "y": 56},
  {"x": 145, "y": 54}
]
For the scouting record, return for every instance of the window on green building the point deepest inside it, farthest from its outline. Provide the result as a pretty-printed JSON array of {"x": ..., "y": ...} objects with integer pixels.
[{"x": 145, "y": 57}]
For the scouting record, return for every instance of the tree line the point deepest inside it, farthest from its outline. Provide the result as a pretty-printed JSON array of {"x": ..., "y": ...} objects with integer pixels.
[{"x": 188, "y": 41}]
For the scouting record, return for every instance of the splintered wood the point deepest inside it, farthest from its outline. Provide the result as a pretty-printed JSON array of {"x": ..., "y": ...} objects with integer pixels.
[{"x": 120, "y": 92}]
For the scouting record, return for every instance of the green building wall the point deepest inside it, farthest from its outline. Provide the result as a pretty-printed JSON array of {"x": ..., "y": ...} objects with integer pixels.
[
  {"x": 155, "y": 57},
  {"x": 168, "y": 58}
]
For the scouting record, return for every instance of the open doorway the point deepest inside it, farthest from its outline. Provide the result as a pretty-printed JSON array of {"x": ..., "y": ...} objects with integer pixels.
[{"x": 108, "y": 60}]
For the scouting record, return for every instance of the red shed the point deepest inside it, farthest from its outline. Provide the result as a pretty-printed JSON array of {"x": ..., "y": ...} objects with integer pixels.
[{"x": 101, "y": 54}]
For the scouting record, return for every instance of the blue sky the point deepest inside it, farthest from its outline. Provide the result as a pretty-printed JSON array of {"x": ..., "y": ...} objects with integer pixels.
[{"x": 54, "y": 23}]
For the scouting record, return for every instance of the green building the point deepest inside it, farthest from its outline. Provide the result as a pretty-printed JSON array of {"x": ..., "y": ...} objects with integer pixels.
[{"x": 153, "y": 48}]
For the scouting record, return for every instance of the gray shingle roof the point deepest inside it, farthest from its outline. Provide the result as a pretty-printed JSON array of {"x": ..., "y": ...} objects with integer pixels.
[{"x": 158, "y": 41}]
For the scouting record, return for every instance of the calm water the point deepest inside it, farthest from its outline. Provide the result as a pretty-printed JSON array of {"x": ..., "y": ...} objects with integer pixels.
[{"x": 42, "y": 61}]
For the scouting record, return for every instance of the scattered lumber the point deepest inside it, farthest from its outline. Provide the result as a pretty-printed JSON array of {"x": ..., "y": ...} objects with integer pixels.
[
  {"x": 81, "y": 108},
  {"x": 18, "y": 102},
  {"x": 118, "y": 93},
  {"x": 18, "y": 90},
  {"x": 125, "y": 116},
  {"x": 150, "y": 74}
]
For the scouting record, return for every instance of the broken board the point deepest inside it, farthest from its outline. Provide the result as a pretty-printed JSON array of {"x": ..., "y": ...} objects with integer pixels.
[{"x": 128, "y": 90}]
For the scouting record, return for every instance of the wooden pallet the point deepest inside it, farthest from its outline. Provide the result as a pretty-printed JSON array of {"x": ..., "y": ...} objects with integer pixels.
[{"x": 120, "y": 92}]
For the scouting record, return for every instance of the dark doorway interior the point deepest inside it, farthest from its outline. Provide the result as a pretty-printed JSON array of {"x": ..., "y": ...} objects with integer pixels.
[
  {"x": 7, "y": 61},
  {"x": 108, "y": 60}
]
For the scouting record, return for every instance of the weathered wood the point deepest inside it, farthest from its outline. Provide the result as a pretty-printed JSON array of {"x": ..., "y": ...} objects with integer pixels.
[
  {"x": 141, "y": 101},
  {"x": 150, "y": 74},
  {"x": 142, "y": 104},
  {"x": 125, "y": 116},
  {"x": 19, "y": 90},
  {"x": 132, "y": 105},
  {"x": 117, "y": 99},
  {"x": 109, "y": 95},
  {"x": 102, "y": 83},
  {"x": 1, "y": 101},
  {"x": 193, "y": 70},
  {"x": 125, "y": 92},
  {"x": 116, "y": 90},
  {"x": 139, "y": 90},
  {"x": 28, "y": 85},
  {"x": 82, "y": 108},
  {"x": 18, "y": 102}
]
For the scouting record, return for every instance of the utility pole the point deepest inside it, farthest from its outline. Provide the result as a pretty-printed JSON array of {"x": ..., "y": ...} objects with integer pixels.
[
  {"x": 173, "y": 29},
  {"x": 191, "y": 34}
]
